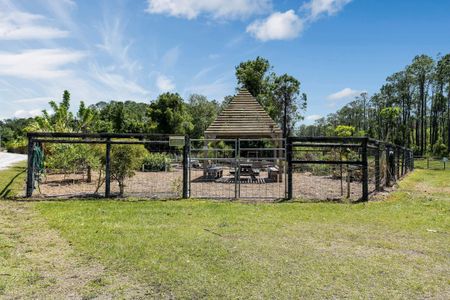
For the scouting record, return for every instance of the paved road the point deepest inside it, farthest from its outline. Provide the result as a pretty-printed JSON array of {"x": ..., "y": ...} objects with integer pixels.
[{"x": 8, "y": 159}]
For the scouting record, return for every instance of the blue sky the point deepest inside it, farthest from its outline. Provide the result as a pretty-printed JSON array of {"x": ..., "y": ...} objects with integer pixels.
[{"x": 137, "y": 49}]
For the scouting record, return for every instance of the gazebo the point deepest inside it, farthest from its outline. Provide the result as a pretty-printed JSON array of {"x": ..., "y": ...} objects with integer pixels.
[{"x": 245, "y": 118}]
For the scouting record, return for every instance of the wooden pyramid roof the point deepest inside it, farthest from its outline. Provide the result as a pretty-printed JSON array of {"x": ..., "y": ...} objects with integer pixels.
[{"x": 243, "y": 117}]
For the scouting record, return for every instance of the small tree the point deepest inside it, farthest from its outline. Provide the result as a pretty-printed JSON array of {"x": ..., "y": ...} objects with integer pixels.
[{"x": 125, "y": 160}]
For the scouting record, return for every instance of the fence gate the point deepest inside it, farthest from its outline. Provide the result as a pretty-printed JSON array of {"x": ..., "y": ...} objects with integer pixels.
[{"x": 237, "y": 169}]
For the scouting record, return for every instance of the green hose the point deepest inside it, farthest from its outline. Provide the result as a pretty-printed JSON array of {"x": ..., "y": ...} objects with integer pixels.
[{"x": 38, "y": 164}]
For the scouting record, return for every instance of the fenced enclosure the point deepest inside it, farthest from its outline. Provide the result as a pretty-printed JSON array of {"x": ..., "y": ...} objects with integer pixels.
[
  {"x": 338, "y": 168},
  {"x": 237, "y": 168},
  {"x": 155, "y": 166},
  {"x": 95, "y": 165}
]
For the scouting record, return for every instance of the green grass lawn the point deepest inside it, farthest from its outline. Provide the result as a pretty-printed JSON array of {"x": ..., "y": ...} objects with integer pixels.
[
  {"x": 12, "y": 180},
  {"x": 396, "y": 248}
]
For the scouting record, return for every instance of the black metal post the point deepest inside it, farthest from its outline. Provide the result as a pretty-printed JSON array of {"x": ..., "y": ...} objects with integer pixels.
[
  {"x": 289, "y": 167},
  {"x": 30, "y": 183},
  {"x": 108, "y": 169},
  {"x": 403, "y": 161},
  {"x": 397, "y": 153},
  {"x": 377, "y": 169},
  {"x": 186, "y": 167},
  {"x": 365, "y": 187}
]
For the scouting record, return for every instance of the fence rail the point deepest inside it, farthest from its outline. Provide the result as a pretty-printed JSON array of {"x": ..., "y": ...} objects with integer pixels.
[{"x": 358, "y": 165}]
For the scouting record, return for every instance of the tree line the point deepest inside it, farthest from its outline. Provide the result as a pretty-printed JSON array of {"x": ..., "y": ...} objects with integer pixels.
[
  {"x": 169, "y": 113},
  {"x": 412, "y": 109}
]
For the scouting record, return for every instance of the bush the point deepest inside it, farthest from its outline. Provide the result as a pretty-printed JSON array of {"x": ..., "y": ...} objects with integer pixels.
[
  {"x": 17, "y": 146},
  {"x": 72, "y": 158},
  {"x": 156, "y": 162},
  {"x": 125, "y": 160}
]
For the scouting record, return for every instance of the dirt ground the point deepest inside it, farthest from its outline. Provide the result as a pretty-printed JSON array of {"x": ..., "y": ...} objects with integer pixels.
[
  {"x": 165, "y": 185},
  {"x": 35, "y": 262}
]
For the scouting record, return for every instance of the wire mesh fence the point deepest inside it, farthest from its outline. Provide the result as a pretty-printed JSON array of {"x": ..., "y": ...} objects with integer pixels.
[
  {"x": 237, "y": 168},
  {"x": 154, "y": 166},
  {"x": 432, "y": 163},
  {"x": 96, "y": 165}
]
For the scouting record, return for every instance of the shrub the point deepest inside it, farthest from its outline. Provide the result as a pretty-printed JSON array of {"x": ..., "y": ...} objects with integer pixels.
[
  {"x": 17, "y": 146},
  {"x": 125, "y": 160},
  {"x": 156, "y": 162},
  {"x": 72, "y": 158}
]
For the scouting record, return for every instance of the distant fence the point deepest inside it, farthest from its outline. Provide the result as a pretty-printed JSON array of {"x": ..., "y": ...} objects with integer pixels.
[
  {"x": 359, "y": 165},
  {"x": 312, "y": 168},
  {"x": 432, "y": 163}
]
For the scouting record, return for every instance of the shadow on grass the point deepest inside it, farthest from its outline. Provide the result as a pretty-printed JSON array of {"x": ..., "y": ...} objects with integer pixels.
[{"x": 6, "y": 190}]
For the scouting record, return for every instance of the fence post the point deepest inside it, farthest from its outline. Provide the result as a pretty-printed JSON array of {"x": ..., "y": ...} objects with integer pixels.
[
  {"x": 365, "y": 187},
  {"x": 237, "y": 174},
  {"x": 108, "y": 169},
  {"x": 397, "y": 153},
  {"x": 186, "y": 167},
  {"x": 377, "y": 168},
  {"x": 412, "y": 160},
  {"x": 30, "y": 183},
  {"x": 289, "y": 167}
]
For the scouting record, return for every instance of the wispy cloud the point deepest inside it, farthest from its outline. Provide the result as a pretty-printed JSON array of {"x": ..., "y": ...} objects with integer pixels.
[
  {"x": 38, "y": 63},
  {"x": 170, "y": 58},
  {"x": 317, "y": 8},
  {"x": 313, "y": 117},
  {"x": 115, "y": 43},
  {"x": 33, "y": 100},
  {"x": 344, "y": 94},
  {"x": 216, "y": 9},
  {"x": 278, "y": 26},
  {"x": 19, "y": 25},
  {"x": 116, "y": 81},
  {"x": 164, "y": 83},
  {"x": 21, "y": 113}
]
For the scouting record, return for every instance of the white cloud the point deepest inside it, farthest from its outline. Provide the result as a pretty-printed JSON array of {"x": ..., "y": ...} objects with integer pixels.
[
  {"x": 33, "y": 100},
  {"x": 278, "y": 26},
  {"x": 38, "y": 63},
  {"x": 116, "y": 81},
  {"x": 217, "y": 9},
  {"x": 344, "y": 93},
  {"x": 114, "y": 42},
  {"x": 19, "y": 25},
  {"x": 170, "y": 58},
  {"x": 317, "y": 8},
  {"x": 313, "y": 117},
  {"x": 164, "y": 83},
  {"x": 21, "y": 113}
]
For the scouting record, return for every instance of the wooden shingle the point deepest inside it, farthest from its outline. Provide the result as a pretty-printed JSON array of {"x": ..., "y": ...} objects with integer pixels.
[{"x": 243, "y": 117}]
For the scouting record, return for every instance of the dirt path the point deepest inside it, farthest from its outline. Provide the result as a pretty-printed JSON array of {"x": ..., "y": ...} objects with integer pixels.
[
  {"x": 36, "y": 262},
  {"x": 8, "y": 159}
]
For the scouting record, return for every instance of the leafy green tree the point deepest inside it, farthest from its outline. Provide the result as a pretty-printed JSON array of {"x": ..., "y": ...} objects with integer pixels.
[
  {"x": 203, "y": 113},
  {"x": 345, "y": 130},
  {"x": 170, "y": 114},
  {"x": 125, "y": 160},
  {"x": 279, "y": 95},
  {"x": 252, "y": 75},
  {"x": 286, "y": 93}
]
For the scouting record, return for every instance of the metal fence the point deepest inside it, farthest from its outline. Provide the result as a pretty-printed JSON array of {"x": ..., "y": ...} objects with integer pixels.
[
  {"x": 237, "y": 168},
  {"x": 306, "y": 168},
  {"x": 48, "y": 179},
  {"x": 432, "y": 163}
]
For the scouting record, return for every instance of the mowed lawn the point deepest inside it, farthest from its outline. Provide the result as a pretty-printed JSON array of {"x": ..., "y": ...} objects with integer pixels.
[{"x": 395, "y": 248}]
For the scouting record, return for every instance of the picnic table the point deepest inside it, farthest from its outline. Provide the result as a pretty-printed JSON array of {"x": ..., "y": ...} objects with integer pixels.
[
  {"x": 247, "y": 170},
  {"x": 214, "y": 172}
]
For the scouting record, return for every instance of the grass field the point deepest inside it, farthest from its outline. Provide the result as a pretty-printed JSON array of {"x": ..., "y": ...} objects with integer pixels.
[{"x": 395, "y": 248}]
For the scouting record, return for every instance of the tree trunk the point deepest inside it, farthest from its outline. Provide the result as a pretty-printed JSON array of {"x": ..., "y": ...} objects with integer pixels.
[{"x": 121, "y": 188}]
